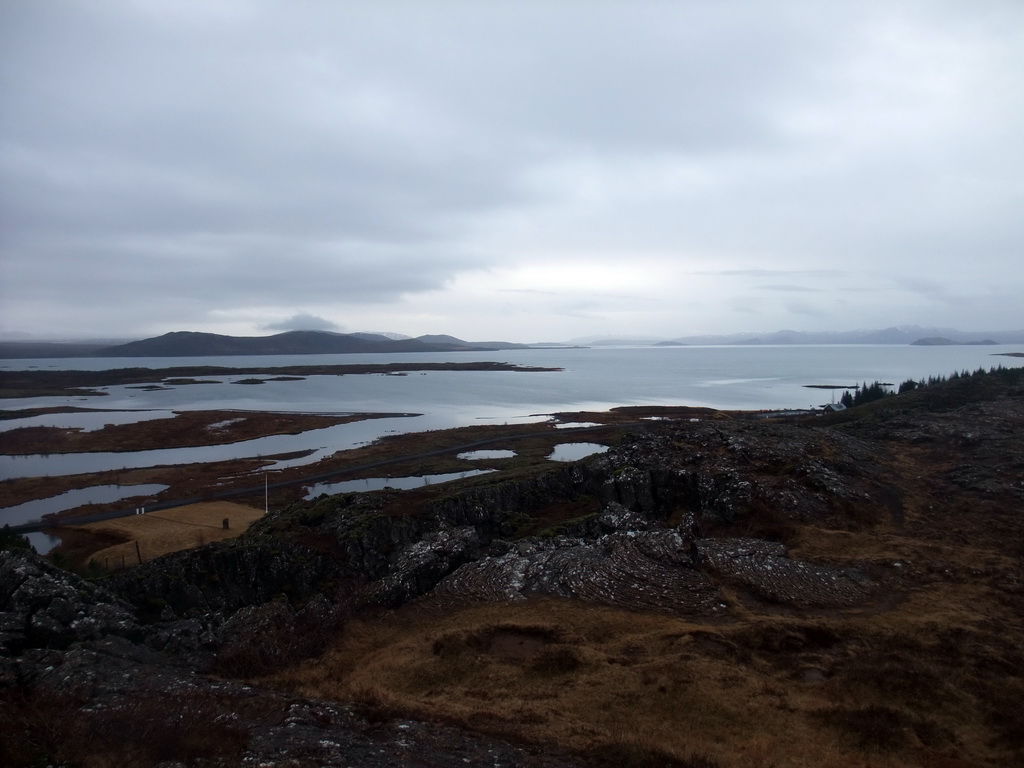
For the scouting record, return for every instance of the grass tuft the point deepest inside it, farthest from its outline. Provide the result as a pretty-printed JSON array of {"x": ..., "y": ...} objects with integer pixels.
[
  {"x": 633, "y": 752},
  {"x": 51, "y": 727}
]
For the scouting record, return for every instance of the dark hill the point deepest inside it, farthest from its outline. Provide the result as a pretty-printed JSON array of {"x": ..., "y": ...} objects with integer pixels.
[
  {"x": 455, "y": 342},
  {"x": 27, "y": 350},
  {"x": 192, "y": 344},
  {"x": 942, "y": 341}
]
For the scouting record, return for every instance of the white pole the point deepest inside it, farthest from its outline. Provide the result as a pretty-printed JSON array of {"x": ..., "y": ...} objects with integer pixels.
[{"x": 266, "y": 494}]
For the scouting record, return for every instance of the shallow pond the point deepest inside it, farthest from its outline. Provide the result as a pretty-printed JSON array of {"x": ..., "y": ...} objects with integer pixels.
[
  {"x": 380, "y": 483},
  {"x": 576, "y": 451},
  {"x": 86, "y": 421},
  {"x": 478, "y": 455},
  {"x": 314, "y": 444},
  {"x": 42, "y": 542},
  {"x": 96, "y": 494}
]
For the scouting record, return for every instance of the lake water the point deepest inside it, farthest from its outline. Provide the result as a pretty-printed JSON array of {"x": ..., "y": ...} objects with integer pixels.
[
  {"x": 94, "y": 494},
  {"x": 397, "y": 483},
  {"x": 484, "y": 455},
  {"x": 576, "y": 451},
  {"x": 726, "y": 377}
]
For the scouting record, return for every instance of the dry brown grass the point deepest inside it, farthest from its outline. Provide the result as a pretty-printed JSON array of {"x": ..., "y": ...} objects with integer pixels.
[
  {"x": 169, "y": 530},
  {"x": 185, "y": 428},
  {"x": 921, "y": 681},
  {"x": 594, "y": 680},
  {"x": 187, "y": 727}
]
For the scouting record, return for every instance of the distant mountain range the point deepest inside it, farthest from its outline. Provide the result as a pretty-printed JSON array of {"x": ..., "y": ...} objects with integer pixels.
[
  {"x": 191, "y": 344},
  {"x": 194, "y": 344},
  {"x": 905, "y": 334}
]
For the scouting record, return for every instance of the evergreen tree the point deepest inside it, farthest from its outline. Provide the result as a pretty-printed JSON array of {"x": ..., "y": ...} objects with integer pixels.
[{"x": 10, "y": 540}]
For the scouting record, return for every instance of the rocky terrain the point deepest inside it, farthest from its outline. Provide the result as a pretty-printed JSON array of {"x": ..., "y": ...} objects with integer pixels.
[{"x": 841, "y": 590}]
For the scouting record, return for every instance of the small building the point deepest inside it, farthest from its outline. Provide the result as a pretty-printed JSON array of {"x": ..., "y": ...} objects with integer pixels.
[{"x": 833, "y": 408}]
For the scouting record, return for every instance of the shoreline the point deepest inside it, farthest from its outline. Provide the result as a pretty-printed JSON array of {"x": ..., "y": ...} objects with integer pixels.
[
  {"x": 184, "y": 429},
  {"x": 419, "y": 453},
  {"x": 37, "y": 383}
]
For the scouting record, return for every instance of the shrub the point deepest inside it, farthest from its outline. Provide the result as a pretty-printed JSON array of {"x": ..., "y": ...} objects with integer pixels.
[{"x": 9, "y": 540}]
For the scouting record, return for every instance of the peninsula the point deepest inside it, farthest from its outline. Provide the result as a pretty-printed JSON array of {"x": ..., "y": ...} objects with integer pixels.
[{"x": 35, "y": 383}]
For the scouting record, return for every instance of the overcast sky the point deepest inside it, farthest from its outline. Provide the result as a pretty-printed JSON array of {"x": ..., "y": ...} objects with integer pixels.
[{"x": 523, "y": 171}]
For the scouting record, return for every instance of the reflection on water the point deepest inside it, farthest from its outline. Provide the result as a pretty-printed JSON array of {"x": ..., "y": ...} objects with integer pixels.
[
  {"x": 731, "y": 377},
  {"x": 576, "y": 451},
  {"x": 323, "y": 442},
  {"x": 96, "y": 494},
  {"x": 380, "y": 483},
  {"x": 43, "y": 542},
  {"x": 476, "y": 455},
  {"x": 86, "y": 421}
]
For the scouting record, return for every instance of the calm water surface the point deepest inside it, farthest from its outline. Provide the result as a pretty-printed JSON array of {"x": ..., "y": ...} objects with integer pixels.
[
  {"x": 94, "y": 494},
  {"x": 749, "y": 378},
  {"x": 576, "y": 451},
  {"x": 380, "y": 483}
]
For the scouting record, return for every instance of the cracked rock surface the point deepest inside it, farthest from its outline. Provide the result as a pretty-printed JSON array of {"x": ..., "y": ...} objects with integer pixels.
[
  {"x": 661, "y": 571},
  {"x": 78, "y": 649}
]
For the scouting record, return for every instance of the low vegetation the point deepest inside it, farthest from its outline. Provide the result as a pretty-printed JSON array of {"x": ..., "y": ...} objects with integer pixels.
[
  {"x": 912, "y": 685},
  {"x": 928, "y": 673},
  {"x": 182, "y": 728},
  {"x": 919, "y": 493},
  {"x": 185, "y": 429},
  {"x": 12, "y": 540},
  {"x": 127, "y": 541},
  {"x": 877, "y": 390}
]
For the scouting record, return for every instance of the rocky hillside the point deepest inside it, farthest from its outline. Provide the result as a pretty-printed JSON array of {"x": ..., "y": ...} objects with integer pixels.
[{"x": 714, "y": 592}]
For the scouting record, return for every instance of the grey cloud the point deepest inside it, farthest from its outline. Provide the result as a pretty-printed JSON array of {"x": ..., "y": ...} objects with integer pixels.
[
  {"x": 531, "y": 291},
  {"x": 790, "y": 288},
  {"x": 303, "y": 322},
  {"x": 922, "y": 285},
  {"x": 805, "y": 309},
  {"x": 771, "y": 273},
  {"x": 235, "y": 156}
]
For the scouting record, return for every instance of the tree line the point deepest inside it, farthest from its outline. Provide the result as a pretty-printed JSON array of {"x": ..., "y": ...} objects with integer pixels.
[{"x": 877, "y": 390}]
